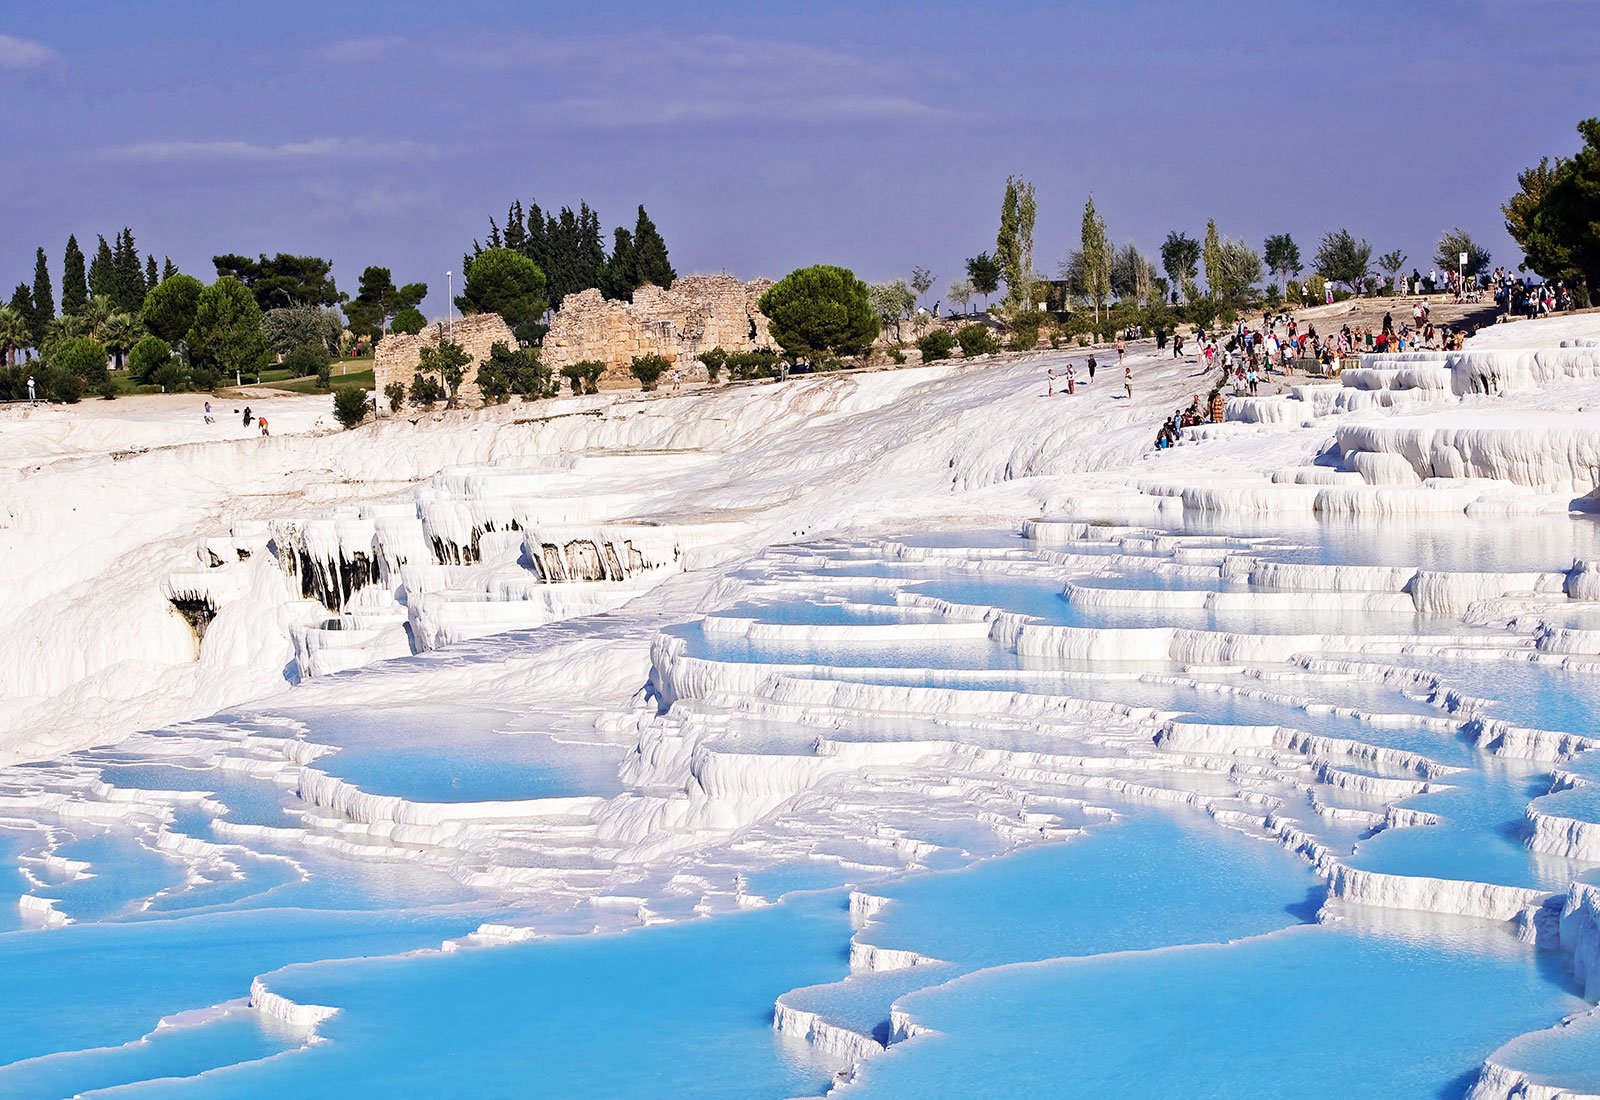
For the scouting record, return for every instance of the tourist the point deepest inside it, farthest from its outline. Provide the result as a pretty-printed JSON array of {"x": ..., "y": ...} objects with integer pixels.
[
  {"x": 1072, "y": 379},
  {"x": 209, "y": 419},
  {"x": 1050, "y": 382},
  {"x": 1091, "y": 368},
  {"x": 263, "y": 422},
  {"x": 247, "y": 416},
  {"x": 1127, "y": 381},
  {"x": 33, "y": 398},
  {"x": 1122, "y": 348}
]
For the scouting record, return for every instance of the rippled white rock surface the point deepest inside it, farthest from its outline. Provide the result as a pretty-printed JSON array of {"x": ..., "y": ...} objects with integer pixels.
[{"x": 613, "y": 752}]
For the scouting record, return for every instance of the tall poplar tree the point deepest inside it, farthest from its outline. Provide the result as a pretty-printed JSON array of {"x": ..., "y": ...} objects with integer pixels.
[
  {"x": 1014, "y": 243},
  {"x": 1097, "y": 256},
  {"x": 1211, "y": 253},
  {"x": 74, "y": 282}
]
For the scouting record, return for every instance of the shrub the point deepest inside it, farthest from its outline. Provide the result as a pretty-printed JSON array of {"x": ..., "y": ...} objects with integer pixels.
[
  {"x": 759, "y": 363},
  {"x": 171, "y": 376},
  {"x": 826, "y": 364},
  {"x": 584, "y": 375},
  {"x": 936, "y": 345},
  {"x": 648, "y": 369},
  {"x": 426, "y": 390},
  {"x": 1025, "y": 332},
  {"x": 510, "y": 370},
  {"x": 81, "y": 356},
  {"x": 149, "y": 355},
  {"x": 715, "y": 360},
  {"x": 349, "y": 405},
  {"x": 58, "y": 385},
  {"x": 897, "y": 356},
  {"x": 395, "y": 394},
  {"x": 975, "y": 340},
  {"x": 205, "y": 378}
]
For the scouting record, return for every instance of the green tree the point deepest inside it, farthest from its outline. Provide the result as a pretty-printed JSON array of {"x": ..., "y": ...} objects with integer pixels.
[
  {"x": 1133, "y": 278},
  {"x": 1391, "y": 264},
  {"x": 1555, "y": 217},
  {"x": 1282, "y": 256},
  {"x": 1014, "y": 243},
  {"x": 1180, "y": 259},
  {"x": 169, "y": 309},
  {"x": 149, "y": 355},
  {"x": 714, "y": 360},
  {"x": 150, "y": 276},
  {"x": 936, "y": 345},
  {"x": 282, "y": 281},
  {"x": 103, "y": 272},
  {"x": 1095, "y": 249},
  {"x": 892, "y": 301},
  {"x": 300, "y": 326},
  {"x": 409, "y": 321},
  {"x": 648, "y": 369},
  {"x": 447, "y": 362},
  {"x": 616, "y": 278},
  {"x": 395, "y": 395},
  {"x": 1211, "y": 254},
  {"x": 425, "y": 390},
  {"x": 168, "y": 269},
  {"x": 1341, "y": 258},
  {"x": 584, "y": 375},
  {"x": 501, "y": 281},
  {"x": 820, "y": 309},
  {"x": 984, "y": 271},
  {"x": 74, "y": 280},
  {"x": 349, "y": 406},
  {"x": 921, "y": 282},
  {"x": 13, "y": 334},
  {"x": 1238, "y": 266},
  {"x": 306, "y": 360},
  {"x": 650, "y": 262},
  {"x": 1456, "y": 241},
  {"x": 510, "y": 370},
  {"x": 961, "y": 292},
  {"x": 378, "y": 299},
  {"x": 43, "y": 301},
  {"x": 120, "y": 332},
  {"x": 81, "y": 356},
  {"x": 225, "y": 338},
  {"x": 128, "y": 287}
]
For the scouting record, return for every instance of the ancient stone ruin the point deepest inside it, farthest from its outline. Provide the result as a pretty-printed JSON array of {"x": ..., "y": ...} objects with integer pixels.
[
  {"x": 699, "y": 313},
  {"x": 396, "y": 357}
]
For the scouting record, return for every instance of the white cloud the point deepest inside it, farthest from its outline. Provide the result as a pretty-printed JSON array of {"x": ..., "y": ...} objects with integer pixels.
[
  {"x": 22, "y": 54},
  {"x": 314, "y": 149}
]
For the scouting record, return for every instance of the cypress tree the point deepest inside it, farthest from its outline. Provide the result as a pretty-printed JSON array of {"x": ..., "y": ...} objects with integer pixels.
[
  {"x": 516, "y": 231},
  {"x": 537, "y": 245},
  {"x": 74, "y": 283},
  {"x": 168, "y": 268},
  {"x": 617, "y": 280},
  {"x": 44, "y": 298},
  {"x": 128, "y": 283},
  {"x": 591, "y": 258},
  {"x": 650, "y": 263},
  {"x": 151, "y": 278},
  {"x": 22, "y": 302},
  {"x": 103, "y": 272}
]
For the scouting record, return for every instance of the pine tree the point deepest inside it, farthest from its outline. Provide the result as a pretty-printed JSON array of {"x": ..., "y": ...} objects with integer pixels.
[
  {"x": 44, "y": 299},
  {"x": 650, "y": 263},
  {"x": 128, "y": 287},
  {"x": 516, "y": 234},
  {"x": 591, "y": 251},
  {"x": 151, "y": 278},
  {"x": 103, "y": 272},
  {"x": 74, "y": 283},
  {"x": 168, "y": 268}
]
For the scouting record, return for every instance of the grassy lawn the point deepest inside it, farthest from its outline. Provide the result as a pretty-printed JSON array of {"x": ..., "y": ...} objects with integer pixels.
[{"x": 362, "y": 378}]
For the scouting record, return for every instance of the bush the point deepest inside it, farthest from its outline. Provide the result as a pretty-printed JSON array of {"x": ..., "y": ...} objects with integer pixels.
[
  {"x": 149, "y": 355},
  {"x": 205, "y": 378},
  {"x": 81, "y": 356},
  {"x": 426, "y": 390},
  {"x": 976, "y": 340},
  {"x": 897, "y": 356},
  {"x": 648, "y": 369},
  {"x": 1025, "y": 332},
  {"x": 759, "y": 363},
  {"x": 715, "y": 360},
  {"x": 395, "y": 394},
  {"x": 510, "y": 370},
  {"x": 584, "y": 375},
  {"x": 324, "y": 376},
  {"x": 936, "y": 345},
  {"x": 107, "y": 390},
  {"x": 171, "y": 377},
  {"x": 58, "y": 385},
  {"x": 349, "y": 405}
]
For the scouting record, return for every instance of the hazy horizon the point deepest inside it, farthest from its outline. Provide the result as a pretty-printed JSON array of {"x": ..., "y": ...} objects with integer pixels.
[{"x": 761, "y": 139}]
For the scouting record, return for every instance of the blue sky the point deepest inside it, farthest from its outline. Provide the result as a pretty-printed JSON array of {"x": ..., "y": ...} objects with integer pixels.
[{"x": 766, "y": 136}]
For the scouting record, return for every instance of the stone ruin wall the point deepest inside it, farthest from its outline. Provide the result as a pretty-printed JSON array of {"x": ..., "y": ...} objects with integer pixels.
[
  {"x": 698, "y": 313},
  {"x": 396, "y": 357}
]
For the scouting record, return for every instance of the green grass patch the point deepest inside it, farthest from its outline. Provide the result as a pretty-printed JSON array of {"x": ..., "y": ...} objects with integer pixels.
[{"x": 362, "y": 378}]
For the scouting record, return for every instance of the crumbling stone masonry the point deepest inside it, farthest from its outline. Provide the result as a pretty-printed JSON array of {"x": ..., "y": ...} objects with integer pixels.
[
  {"x": 397, "y": 354},
  {"x": 699, "y": 313}
]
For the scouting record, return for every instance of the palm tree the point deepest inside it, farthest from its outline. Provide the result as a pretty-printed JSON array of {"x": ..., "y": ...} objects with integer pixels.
[
  {"x": 119, "y": 333},
  {"x": 95, "y": 313},
  {"x": 58, "y": 329},
  {"x": 13, "y": 333}
]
